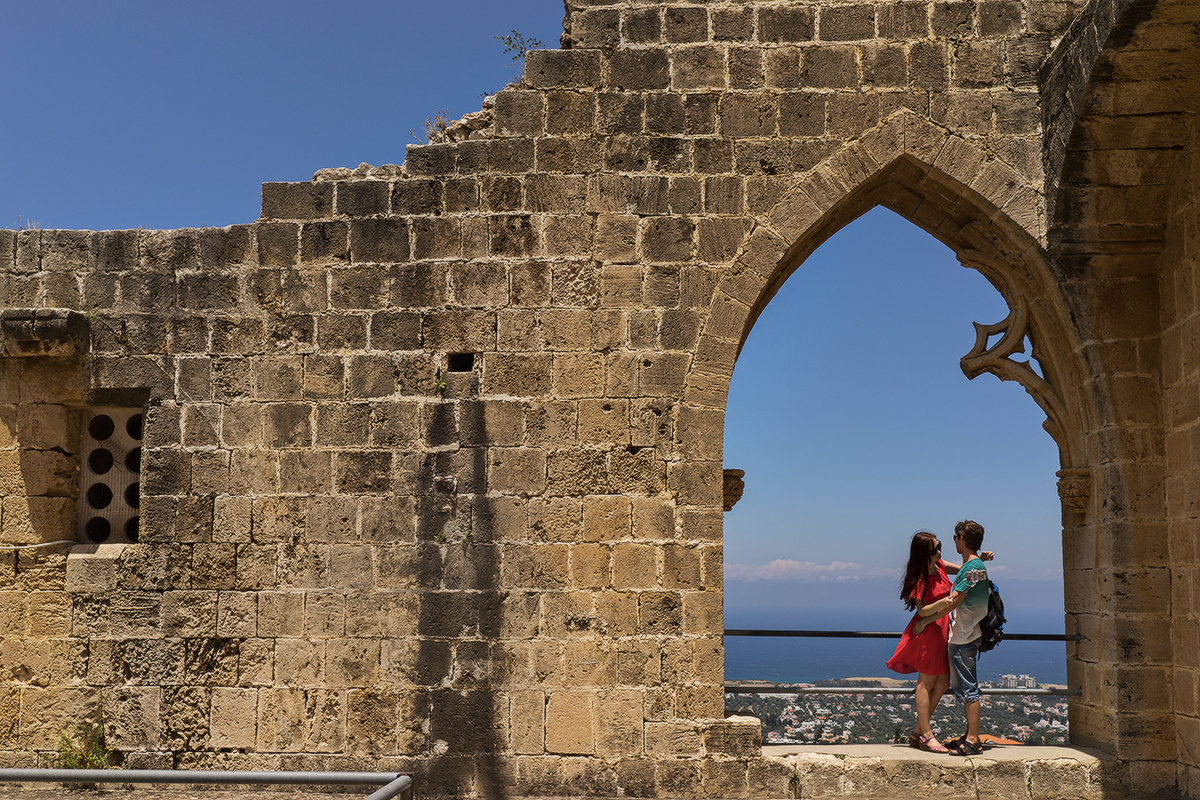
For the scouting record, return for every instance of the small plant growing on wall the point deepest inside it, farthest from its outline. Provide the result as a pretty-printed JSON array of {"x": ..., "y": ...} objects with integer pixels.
[
  {"x": 518, "y": 44},
  {"x": 435, "y": 127},
  {"x": 85, "y": 748}
]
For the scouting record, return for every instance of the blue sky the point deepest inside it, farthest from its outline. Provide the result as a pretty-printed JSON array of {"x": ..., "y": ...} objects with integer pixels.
[
  {"x": 847, "y": 409},
  {"x": 171, "y": 115},
  {"x": 855, "y": 426}
]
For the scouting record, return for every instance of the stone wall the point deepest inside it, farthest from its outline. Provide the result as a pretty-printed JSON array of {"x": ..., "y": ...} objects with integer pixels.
[
  {"x": 1118, "y": 243},
  {"x": 432, "y": 468},
  {"x": 1181, "y": 411}
]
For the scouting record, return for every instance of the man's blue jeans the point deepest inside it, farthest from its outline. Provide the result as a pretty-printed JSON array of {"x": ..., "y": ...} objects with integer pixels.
[{"x": 963, "y": 680}]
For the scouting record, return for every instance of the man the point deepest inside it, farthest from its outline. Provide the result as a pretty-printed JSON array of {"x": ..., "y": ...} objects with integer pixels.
[{"x": 969, "y": 601}]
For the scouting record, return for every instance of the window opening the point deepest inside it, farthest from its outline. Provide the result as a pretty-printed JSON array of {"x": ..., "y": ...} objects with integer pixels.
[{"x": 109, "y": 481}]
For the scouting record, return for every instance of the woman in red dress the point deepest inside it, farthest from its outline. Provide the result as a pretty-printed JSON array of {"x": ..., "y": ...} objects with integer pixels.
[{"x": 924, "y": 653}]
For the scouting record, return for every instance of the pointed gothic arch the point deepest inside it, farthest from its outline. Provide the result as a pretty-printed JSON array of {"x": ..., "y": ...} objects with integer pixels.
[
  {"x": 961, "y": 195},
  {"x": 978, "y": 206}
]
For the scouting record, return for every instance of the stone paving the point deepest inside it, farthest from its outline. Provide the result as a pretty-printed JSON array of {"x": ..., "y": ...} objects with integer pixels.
[{"x": 867, "y": 772}]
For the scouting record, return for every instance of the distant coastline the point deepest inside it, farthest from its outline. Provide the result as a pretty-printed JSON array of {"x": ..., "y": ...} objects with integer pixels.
[
  {"x": 884, "y": 681},
  {"x": 772, "y": 660}
]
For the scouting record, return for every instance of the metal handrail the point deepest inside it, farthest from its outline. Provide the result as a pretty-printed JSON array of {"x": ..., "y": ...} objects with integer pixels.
[
  {"x": 1016, "y": 637},
  {"x": 764, "y": 687},
  {"x": 394, "y": 784}
]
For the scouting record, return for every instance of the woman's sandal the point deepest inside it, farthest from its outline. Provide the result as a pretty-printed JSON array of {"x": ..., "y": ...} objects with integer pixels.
[
  {"x": 914, "y": 740},
  {"x": 966, "y": 748},
  {"x": 930, "y": 744}
]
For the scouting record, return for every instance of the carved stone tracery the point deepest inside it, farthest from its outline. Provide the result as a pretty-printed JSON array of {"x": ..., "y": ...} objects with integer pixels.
[{"x": 1074, "y": 486}]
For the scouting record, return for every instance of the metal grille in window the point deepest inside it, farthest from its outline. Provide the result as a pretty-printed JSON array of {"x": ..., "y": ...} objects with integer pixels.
[{"x": 109, "y": 475}]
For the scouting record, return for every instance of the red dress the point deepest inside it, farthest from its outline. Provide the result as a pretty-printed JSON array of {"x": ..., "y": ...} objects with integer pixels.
[{"x": 925, "y": 652}]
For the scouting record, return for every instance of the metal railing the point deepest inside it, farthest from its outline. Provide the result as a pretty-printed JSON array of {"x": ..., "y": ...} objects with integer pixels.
[
  {"x": 767, "y": 687},
  {"x": 391, "y": 784}
]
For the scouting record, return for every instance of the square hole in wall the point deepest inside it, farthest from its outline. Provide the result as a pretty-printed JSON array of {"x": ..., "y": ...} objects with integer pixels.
[
  {"x": 110, "y": 475},
  {"x": 460, "y": 362}
]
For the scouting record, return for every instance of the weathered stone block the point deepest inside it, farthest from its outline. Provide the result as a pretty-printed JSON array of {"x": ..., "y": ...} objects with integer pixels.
[
  {"x": 830, "y": 68},
  {"x": 641, "y": 25},
  {"x": 535, "y": 566},
  {"x": 430, "y": 159},
  {"x": 578, "y": 375},
  {"x": 280, "y": 614},
  {"x": 570, "y": 112},
  {"x": 723, "y": 778},
  {"x": 783, "y": 24},
  {"x": 846, "y": 23},
  {"x": 665, "y": 114},
  {"x": 639, "y": 69},
  {"x": 512, "y": 235},
  {"x": 418, "y": 196},
  {"x": 558, "y": 68},
  {"x": 527, "y": 721},
  {"x": 278, "y": 244},
  {"x": 233, "y": 717},
  {"x": 928, "y": 65},
  {"x": 604, "y": 421},
  {"x": 699, "y": 67},
  {"x": 520, "y": 113},
  {"x": 667, "y": 239},
  {"x": 952, "y": 19},
  {"x": 46, "y": 712},
  {"x": 518, "y": 470},
  {"x": 620, "y": 112},
  {"x": 570, "y": 723},
  {"x": 720, "y": 240},
  {"x": 635, "y": 566},
  {"x": 297, "y": 200},
  {"x": 732, "y": 24},
  {"x": 591, "y": 566},
  {"x": 595, "y": 28},
  {"x": 566, "y": 236}
]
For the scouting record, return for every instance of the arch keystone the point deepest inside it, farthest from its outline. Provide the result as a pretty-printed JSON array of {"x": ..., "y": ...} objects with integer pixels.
[
  {"x": 853, "y": 165},
  {"x": 885, "y": 142},
  {"x": 922, "y": 139}
]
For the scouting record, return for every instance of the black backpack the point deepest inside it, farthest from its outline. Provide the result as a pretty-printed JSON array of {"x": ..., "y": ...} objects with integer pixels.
[{"x": 991, "y": 627}]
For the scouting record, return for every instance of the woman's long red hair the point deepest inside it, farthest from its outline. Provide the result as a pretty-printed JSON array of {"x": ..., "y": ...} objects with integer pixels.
[{"x": 922, "y": 548}]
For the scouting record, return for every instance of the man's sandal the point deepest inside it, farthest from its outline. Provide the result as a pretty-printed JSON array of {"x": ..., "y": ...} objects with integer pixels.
[
  {"x": 956, "y": 741},
  {"x": 966, "y": 748},
  {"x": 930, "y": 744}
]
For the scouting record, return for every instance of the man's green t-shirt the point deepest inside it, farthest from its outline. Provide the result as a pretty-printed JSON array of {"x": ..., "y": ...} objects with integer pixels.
[{"x": 972, "y": 580}]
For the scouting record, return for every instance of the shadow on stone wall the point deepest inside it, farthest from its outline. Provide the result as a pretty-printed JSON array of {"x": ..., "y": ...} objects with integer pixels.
[
  {"x": 460, "y": 617},
  {"x": 39, "y": 449}
]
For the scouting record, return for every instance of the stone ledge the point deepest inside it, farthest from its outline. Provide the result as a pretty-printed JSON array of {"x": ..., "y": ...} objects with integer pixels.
[
  {"x": 43, "y": 332},
  {"x": 884, "y": 772}
]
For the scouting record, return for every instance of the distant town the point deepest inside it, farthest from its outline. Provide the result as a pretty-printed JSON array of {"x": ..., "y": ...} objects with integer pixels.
[{"x": 796, "y": 718}]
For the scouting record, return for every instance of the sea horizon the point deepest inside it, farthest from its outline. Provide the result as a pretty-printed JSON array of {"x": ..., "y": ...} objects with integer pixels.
[{"x": 804, "y": 660}]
